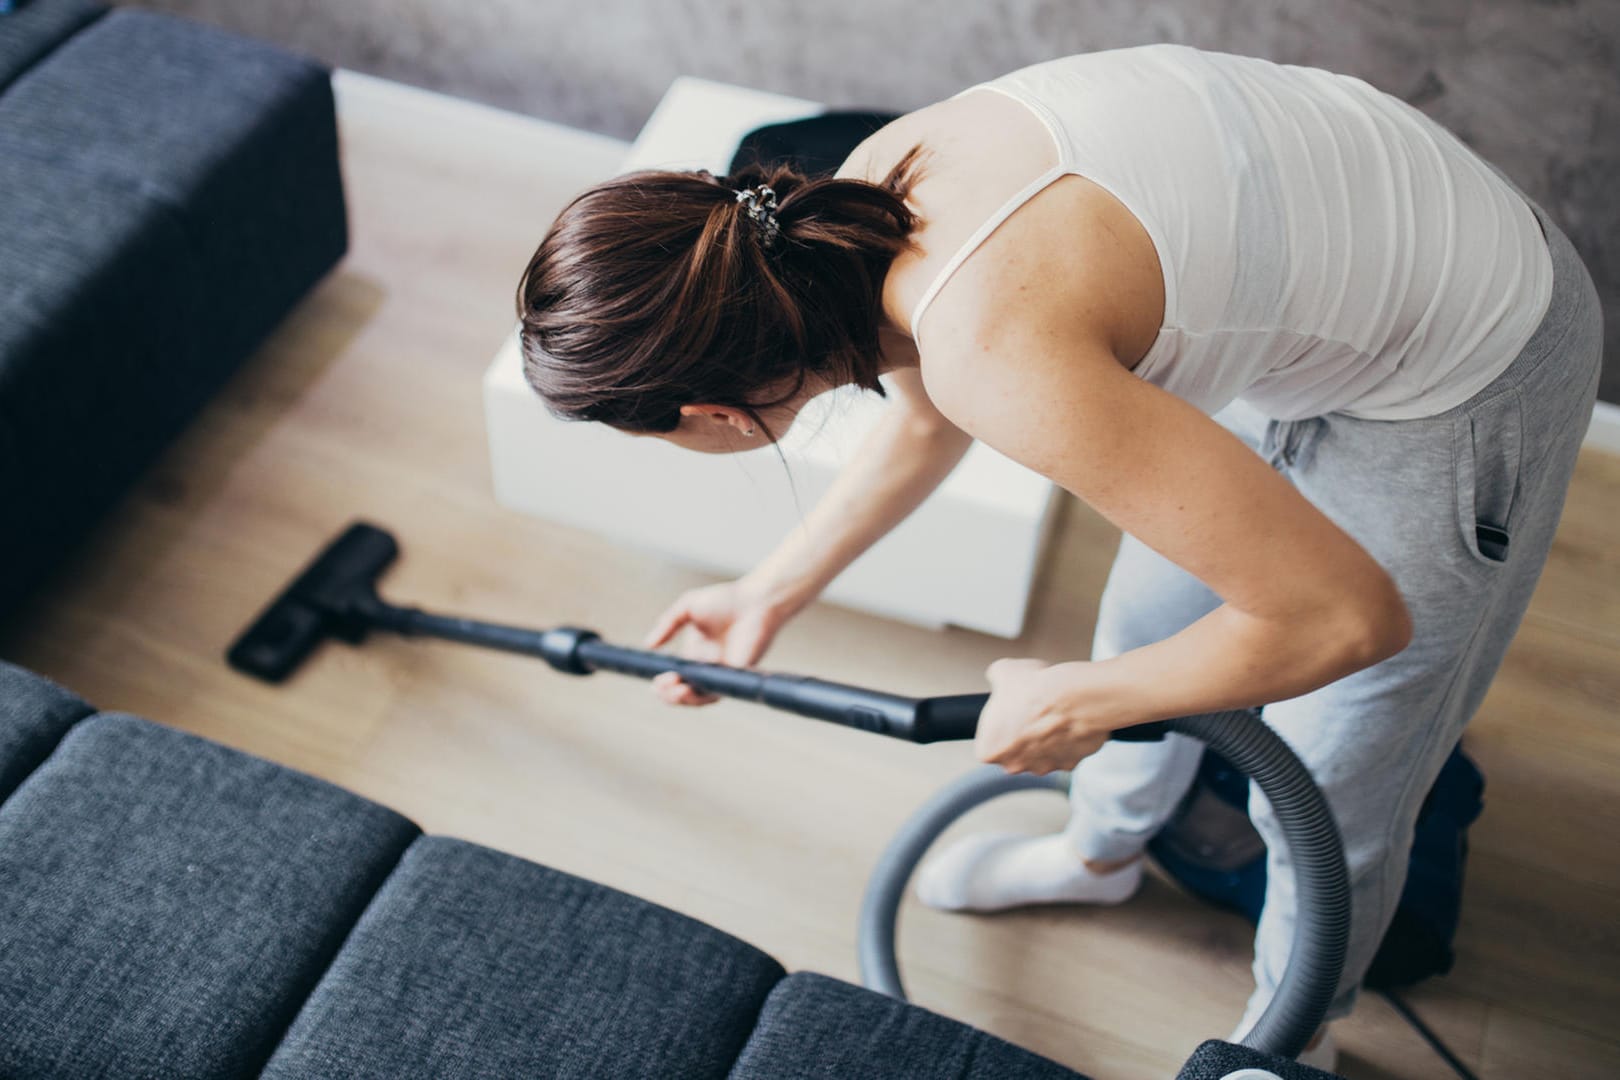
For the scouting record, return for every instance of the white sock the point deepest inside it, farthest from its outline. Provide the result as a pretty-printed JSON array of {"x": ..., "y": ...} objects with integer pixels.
[{"x": 994, "y": 871}]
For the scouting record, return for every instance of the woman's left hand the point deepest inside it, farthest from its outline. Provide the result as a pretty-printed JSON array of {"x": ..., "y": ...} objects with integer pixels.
[{"x": 1038, "y": 719}]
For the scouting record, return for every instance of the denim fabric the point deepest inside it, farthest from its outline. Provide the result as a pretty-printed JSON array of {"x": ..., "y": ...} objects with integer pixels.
[
  {"x": 473, "y": 963},
  {"x": 167, "y": 193},
  {"x": 816, "y": 1028},
  {"x": 34, "y": 29},
  {"x": 166, "y": 903},
  {"x": 34, "y": 715}
]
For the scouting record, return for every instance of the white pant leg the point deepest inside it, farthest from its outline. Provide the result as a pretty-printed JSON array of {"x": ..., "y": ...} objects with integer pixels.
[
  {"x": 1376, "y": 740},
  {"x": 1125, "y": 792}
]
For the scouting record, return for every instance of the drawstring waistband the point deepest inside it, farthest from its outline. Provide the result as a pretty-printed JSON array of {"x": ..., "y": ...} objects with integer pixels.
[{"x": 1287, "y": 441}]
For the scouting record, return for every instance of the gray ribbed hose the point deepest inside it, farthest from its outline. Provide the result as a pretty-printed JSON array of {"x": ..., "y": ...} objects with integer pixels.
[{"x": 1321, "y": 882}]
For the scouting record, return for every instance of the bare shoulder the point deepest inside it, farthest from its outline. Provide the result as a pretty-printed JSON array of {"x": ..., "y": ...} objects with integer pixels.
[{"x": 1072, "y": 260}]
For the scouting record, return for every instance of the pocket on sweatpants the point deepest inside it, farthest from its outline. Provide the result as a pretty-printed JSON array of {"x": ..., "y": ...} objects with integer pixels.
[{"x": 1490, "y": 443}]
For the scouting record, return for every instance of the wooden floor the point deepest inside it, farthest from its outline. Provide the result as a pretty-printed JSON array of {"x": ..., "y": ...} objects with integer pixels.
[{"x": 366, "y": 403}]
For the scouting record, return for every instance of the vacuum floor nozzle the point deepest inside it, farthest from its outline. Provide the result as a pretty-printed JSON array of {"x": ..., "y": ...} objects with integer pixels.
[{"x": 328, "y": 599}]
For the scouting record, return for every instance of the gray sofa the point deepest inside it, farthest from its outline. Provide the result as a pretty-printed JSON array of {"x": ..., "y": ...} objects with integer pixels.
[
  {"x": 167, "y": 193},
  {"x": 170, "y": 907}
]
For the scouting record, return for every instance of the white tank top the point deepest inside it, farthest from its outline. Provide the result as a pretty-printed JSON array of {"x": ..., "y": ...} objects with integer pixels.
[{"x": 1325, "y": 247}]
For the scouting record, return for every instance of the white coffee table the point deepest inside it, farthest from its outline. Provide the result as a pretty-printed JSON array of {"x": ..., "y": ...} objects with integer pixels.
[{"x": 966, "y": 557}]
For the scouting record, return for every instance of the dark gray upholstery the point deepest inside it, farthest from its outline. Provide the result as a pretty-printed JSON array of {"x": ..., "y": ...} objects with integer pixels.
[
  {"x": 34, "y": 715},
  {"x": 166, "y": 903},
  {"x": 170, "y": 907},
  {"x": 170, "y": 191},
  {"x": 33, "y": 30},
  {"x": 473, "y": 963},
  {"x": 1215, "y": 1060},
  {"x": 816, "y": 1028}
]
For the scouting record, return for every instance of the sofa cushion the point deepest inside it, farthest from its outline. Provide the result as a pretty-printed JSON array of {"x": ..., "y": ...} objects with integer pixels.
[
  {"x": 84, "y": 359},
  {"x": 169, "y": 100},
  {"x": 166, "y": 903},
  {"x": 34, "y": 715},
  {"x": 816, "y": 1028},
  {"x": 34, "y": 29},
  {"x": 1216, "y": 1060},
  {"x": 473, "y": 963},
  {"x": 170, "y": 191}
]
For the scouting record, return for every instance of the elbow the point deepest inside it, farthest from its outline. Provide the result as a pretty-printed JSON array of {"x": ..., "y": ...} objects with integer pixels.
[
  {"x": 1379, "y": 628},
  {"x": 936, "y": 434},
  {"x": 928, "y": 425}
]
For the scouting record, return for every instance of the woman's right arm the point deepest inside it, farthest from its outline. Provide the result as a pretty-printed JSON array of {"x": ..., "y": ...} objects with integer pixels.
[{"x": 901, "y": 461}]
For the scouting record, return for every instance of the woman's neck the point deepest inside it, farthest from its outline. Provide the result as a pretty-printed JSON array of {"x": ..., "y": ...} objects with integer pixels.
[{"x": 899, "y": 350}]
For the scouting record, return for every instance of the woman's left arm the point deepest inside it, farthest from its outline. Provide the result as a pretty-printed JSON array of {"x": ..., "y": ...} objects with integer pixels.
[{"x": 1303, "y": 603}]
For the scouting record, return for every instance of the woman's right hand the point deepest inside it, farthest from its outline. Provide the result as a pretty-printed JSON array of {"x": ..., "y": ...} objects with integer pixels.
[{"x": 731, "y": 623}]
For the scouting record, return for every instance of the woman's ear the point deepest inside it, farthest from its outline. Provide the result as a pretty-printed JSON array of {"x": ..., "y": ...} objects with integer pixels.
[{"x": 721, "y": 414}]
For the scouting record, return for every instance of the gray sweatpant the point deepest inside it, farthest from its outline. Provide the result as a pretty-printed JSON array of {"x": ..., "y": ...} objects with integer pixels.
[{"x": 1415, "y": 494}]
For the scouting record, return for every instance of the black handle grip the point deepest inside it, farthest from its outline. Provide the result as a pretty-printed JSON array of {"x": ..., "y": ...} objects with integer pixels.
[
  {"x": 1152, "y": 732},
  {"x": 850, "y": 706},
  {"x": 955, "y": 716}
]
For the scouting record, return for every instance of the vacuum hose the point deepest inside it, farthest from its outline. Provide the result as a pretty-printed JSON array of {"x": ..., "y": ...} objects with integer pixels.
[{"x": 1322, "y": 886}]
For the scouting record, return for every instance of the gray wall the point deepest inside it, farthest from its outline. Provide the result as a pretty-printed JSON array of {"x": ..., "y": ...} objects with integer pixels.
[{"x": 1534, "y": 85}]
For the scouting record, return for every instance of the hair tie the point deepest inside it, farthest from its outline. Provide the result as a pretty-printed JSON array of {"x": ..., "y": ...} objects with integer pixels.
[{"x": 759, "y": 204}]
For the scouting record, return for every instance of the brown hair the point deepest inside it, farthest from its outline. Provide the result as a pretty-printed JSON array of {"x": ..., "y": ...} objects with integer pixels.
[{"x": 655, "y": 290}]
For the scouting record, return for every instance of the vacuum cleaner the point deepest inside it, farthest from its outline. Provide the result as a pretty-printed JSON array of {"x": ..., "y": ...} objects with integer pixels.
[{"x": 335, "y": 596}]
